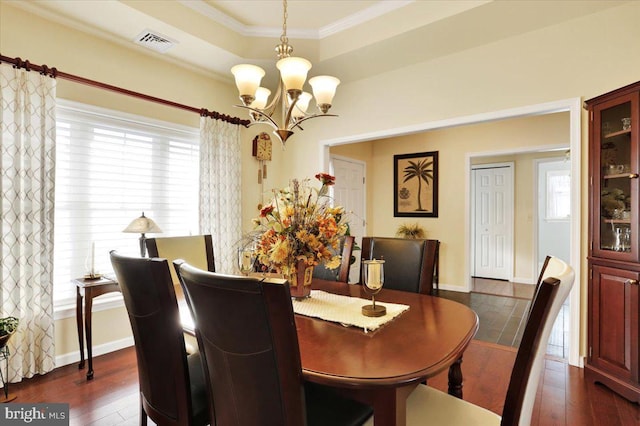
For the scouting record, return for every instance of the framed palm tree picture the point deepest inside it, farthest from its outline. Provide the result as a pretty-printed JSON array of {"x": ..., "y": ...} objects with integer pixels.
[{"x": 415, "y": 183}]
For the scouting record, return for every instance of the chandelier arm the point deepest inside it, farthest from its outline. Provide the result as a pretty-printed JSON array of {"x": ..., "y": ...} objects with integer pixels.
[
  {"x": 262, "y": 114},
  {"x": 287, "y": 120},
  {"x": 297, "y": 123},
  {"x": 276, "y": 97}
]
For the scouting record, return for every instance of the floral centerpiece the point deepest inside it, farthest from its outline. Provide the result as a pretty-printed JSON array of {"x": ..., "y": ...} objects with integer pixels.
[{"x": 300, "y": 229}]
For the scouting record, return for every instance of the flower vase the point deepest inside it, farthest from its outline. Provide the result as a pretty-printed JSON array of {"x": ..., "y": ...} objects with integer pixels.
[{"x": 300, "y": 280}]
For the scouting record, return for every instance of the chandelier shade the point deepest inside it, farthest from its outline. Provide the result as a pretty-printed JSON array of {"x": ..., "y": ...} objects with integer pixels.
[{"x": 290, "y": 95}]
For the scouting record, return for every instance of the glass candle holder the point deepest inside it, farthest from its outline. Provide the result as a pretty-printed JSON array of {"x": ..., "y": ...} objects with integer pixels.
[{"x": 373, "y": 282}]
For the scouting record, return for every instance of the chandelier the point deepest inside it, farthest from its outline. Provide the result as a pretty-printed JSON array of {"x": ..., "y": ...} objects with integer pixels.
[{"x": 290, "y": 95}]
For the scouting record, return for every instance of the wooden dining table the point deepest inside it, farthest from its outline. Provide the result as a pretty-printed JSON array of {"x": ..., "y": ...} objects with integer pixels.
[{"x": 383, "y": 366}]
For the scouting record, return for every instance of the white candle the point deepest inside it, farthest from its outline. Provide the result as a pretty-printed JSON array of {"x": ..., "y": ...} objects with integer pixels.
[{"x": 93, "y": 259}]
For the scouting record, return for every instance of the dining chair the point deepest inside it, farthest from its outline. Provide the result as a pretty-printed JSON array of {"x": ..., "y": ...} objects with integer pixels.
[
  {"x": 545, "y": 272},
  {"x": 409, "y": 264},
  {"x": 247, "y": 335},
  {"x": 426, "y": 405},
  {"x": 172, "y": 384},
  {"x": 340, "y": 274},
  {"x": 195, "y": 249}
]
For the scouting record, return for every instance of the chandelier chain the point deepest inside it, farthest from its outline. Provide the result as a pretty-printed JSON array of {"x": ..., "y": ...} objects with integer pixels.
[{"x": 283, "y": 38}]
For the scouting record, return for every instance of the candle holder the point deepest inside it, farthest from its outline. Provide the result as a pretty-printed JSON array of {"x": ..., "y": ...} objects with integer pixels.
[
  {"x": 246, "y": 259},
  {"x": 373, "y": 281},
  {"x": 90, "y": 265}
]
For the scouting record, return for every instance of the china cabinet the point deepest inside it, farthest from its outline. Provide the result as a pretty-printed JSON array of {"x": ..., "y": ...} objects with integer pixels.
[{"x": 613, "y": 358}]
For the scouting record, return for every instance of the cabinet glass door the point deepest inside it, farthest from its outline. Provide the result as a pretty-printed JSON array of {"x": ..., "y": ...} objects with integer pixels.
[{"x": 617, "y": 187}]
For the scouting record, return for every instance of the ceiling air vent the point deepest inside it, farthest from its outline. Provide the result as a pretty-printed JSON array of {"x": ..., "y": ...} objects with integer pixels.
[{"x": 155, "y": 41}]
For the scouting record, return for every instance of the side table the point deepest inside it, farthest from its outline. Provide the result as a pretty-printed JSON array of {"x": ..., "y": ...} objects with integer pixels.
[
  {"x": 4, "y": 355},
  {"x": 88, "y": 289}
]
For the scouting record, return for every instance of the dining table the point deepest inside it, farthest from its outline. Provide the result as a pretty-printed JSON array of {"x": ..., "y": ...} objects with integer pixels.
[{"x": 381, "y": 367}]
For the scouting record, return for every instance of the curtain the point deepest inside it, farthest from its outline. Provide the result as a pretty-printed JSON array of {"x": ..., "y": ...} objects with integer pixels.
[
  {"x": 27, "y": 168},
  {"x": 220, "y": 190}
]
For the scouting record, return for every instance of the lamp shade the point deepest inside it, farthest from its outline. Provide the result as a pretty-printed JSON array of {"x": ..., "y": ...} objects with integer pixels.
[
  {"x": 142, "y": 225},
  {"x": 262, "y": 97},
  {"x": 293, "y": 71},
  {"x": 301, "y": 106},
  {"x": 248, "y": 78},
  {"x": 324, "y": 88}
]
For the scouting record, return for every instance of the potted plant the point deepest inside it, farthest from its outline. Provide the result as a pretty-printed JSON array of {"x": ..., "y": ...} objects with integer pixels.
[
  {"x": 8, "y": 326},
  {"x": 411, "y": 231}
]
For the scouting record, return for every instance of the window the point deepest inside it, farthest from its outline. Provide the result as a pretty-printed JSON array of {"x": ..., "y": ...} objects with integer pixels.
[
  {"x": 111, "y": 167},
  {"x": 558, "y": 195}
]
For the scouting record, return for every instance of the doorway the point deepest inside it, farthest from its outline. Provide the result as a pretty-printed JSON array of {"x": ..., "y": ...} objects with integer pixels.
[
  {"x": 574, "y": 107},
  {"x": 553, "y": 230},
  {"x": 553, "y": 210},
  {"x": 349, "y": 192}
]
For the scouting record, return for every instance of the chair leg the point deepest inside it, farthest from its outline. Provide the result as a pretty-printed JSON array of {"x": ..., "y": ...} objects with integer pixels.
[{"x": 143, "y": 416}]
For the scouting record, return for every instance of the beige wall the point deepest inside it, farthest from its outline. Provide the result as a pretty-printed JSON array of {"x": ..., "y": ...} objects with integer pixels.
[
  {"x": 456, "y": 148},
  {"x": 580, "y": 58}
]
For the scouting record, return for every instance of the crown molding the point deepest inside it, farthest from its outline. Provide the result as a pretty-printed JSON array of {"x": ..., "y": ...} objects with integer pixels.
[{"x": 375, "y": 11}]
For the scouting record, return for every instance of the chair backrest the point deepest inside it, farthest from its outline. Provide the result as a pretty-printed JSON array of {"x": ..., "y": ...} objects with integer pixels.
[
  {"x": 197, "y": 250},
  {"x": 548, "y": 300},
  {"x": 249, "y": 347},
  {"x": 150, "y": 299},
  {"x": 544, "y": 273},
  {"x": 410, "y": 264},
  {"x": 342, "y": 272}
]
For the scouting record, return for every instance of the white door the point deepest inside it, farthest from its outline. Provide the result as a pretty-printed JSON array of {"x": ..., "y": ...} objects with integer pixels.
[
  {"x": 493, "y": 221},
  {"x": 349, "y": 192},
  {"x": 554, "y": 210}
]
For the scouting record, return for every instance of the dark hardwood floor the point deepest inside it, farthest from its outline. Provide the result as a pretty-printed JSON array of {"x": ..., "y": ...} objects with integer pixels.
[{"x": 564, "y": 398}]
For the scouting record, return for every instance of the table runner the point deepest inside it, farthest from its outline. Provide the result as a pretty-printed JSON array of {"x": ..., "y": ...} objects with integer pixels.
[{"x": 344, "y": 309}]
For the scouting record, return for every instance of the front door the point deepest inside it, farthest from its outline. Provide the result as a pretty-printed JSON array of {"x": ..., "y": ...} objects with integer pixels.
[{"x": 493, "y": 221}]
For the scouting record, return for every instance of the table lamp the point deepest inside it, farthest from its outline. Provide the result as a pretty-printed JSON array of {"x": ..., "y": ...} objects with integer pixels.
[{"x": 142, "y": 225}]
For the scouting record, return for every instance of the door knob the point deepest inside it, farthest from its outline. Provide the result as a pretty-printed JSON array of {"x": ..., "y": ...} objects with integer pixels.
[{"x": 631, "y": 282}]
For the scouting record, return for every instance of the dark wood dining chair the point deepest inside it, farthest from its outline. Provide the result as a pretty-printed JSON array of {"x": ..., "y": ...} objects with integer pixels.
[
  {"x": 247, "y": 335},
  {"x": 426, "y": 405},
  {"x": 172, "y": 384},
  {"x": 410, "y": 264},
  {"x": 340, "y": 274}
]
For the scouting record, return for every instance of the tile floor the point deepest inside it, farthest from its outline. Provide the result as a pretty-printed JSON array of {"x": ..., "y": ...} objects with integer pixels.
[{"x": 502, "y": 308}]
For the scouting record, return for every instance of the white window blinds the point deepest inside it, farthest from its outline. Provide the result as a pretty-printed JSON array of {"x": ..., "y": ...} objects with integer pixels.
[{"x": 110, "y": 168}]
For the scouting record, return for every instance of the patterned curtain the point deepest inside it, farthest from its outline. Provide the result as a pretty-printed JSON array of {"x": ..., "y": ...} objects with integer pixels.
[
  {"x": 220, "y": 189},
  {"x": 27, "y": 166}
]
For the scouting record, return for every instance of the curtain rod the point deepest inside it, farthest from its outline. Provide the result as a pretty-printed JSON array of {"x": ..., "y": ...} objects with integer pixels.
[{"x": 54, "y": 73}]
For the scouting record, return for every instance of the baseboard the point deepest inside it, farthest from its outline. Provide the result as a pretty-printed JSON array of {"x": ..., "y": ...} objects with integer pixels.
[
  {"x": 449, "y": 287},
  {"x": 105, "y": 348},
  {"x": 524, "y": 280}
]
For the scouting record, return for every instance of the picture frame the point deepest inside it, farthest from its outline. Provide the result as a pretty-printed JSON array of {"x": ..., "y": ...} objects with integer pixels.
[{"x": 415, "y": 184}]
